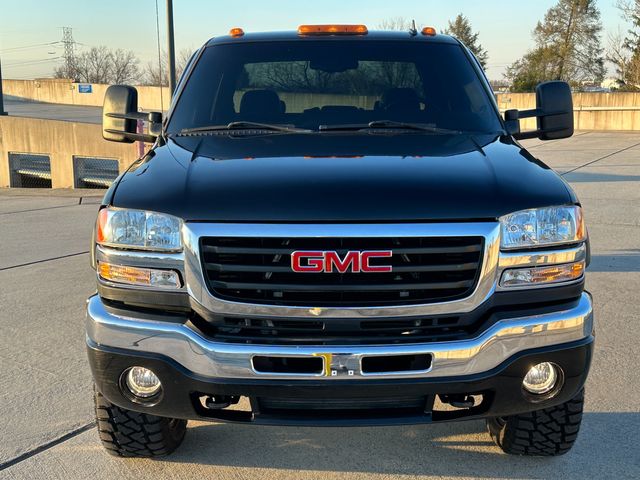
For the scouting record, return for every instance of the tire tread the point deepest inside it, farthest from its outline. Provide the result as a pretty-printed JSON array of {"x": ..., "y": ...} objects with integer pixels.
[
  {"x": 548, "y": 432},
  {"x": 125, "y": 433}
]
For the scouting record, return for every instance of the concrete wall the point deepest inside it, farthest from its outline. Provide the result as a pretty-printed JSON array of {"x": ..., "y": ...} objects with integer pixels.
[
  {"x": 593, "y": 111},
  {"x": 61, "y": 141},
  {"x": 67, "y": 93}
]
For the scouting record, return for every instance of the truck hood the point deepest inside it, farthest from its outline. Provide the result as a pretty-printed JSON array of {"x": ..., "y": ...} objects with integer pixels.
[{"x": 339, "y": 178}]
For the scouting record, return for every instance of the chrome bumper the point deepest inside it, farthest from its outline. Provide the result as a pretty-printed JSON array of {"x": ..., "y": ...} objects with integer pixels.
[{"x": 180, "y": 343}]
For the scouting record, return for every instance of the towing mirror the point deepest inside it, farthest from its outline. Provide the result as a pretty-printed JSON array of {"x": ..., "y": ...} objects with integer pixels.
[
  {"x": 120, "y": 116},
  {"x": 554, "y": 113}
]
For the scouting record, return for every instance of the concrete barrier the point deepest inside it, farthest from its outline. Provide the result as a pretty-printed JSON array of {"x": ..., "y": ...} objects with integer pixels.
[
  {"x": 61, "y": 141},
  {"x": 593, "y": 111},
  {"x": 68, "y": 93}
]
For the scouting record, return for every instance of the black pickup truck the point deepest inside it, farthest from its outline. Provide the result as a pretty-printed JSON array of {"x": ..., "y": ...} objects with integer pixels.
[{"x": 338, "y": 227}]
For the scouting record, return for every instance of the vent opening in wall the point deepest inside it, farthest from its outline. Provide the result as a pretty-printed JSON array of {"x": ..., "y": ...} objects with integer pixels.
[
  {"x": 94, "y": 172},
  {"x": 29, "y": 170}
]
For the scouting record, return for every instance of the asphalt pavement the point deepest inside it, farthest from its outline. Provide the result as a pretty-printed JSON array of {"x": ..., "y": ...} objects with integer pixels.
[
  {"x": 46, "y": 416},
  {"x": 18, "y": 107}
]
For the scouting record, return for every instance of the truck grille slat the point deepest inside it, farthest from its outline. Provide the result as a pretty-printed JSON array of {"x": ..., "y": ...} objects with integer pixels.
[
  {"x": 289, "y": 251},
  {"x": 220, "y": 267},
  {"x": 316, "y": 287},
  {"x": 258, "y": 270},
  {"x": 317, "y": 332}
]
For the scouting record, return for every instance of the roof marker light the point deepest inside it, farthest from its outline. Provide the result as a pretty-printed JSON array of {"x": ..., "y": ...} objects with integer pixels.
[
  {"x": 332, "y": 30},
  {"x": 430, "y": 31},
  {"x": 236, "y": 32}
]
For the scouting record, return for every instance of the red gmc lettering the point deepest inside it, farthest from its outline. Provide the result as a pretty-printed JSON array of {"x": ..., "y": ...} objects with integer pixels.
[
  {"x": 351, "y": 262},
  {"x": 366, "y": 256},
  {"x": 354, "y": 261},
  {"x": 315, "y": 262}
]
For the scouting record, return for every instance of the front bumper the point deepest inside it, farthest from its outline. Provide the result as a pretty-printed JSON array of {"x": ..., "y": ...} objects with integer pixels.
[{"x": 190, "y": 366}]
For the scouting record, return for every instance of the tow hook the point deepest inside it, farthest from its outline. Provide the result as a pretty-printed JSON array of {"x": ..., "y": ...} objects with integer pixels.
[
  {"x": 218, "y": 402},
  {"x": 458, "y": 401}
]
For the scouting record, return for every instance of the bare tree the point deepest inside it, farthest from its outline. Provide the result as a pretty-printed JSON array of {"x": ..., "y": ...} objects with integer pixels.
[
  {"x": 124, "y": 67},
  {"x": 396, "y": 23},
  {"x": 152, "y": 74},
  {"x": 102, "y": 65},
  {"x": 619, "y": 56}
]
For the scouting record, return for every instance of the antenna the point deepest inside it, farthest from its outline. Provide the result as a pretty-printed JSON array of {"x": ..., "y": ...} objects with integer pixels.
[
  {"x": 69, "y": 53},
  {"x": 413, "y": 31}
]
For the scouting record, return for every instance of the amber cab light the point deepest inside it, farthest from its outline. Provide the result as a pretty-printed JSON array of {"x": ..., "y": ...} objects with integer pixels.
[
  {"x": 236, "y": 32},
  {"x": 332, "y": 30},
  {"x": 430, "y": 31}
]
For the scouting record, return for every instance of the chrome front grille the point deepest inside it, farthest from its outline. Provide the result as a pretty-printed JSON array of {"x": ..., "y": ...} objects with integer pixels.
[
  {"x": 284, "y": 331},
  {"x": 424, "y": 270}
]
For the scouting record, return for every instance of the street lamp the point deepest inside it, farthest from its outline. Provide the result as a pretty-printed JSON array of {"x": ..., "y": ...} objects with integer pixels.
[
  {"x": 171, "y": 48},
  {"x": 2, "y": 112}
]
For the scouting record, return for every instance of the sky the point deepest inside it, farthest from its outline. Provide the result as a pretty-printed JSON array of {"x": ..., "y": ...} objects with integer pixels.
[{"x": 28, "y": 27}]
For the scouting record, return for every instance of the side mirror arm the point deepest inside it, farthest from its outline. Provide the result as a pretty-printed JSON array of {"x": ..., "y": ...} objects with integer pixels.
[
  {"x": 154, "y": 119},
  {"x": 512, "y": 117}
]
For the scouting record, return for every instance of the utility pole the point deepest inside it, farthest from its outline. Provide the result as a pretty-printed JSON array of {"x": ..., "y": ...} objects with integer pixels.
[
  {"x": 69, "y": 53},
  {"x": 2, "y": 112},
  {"x": 171, "y": 47}
]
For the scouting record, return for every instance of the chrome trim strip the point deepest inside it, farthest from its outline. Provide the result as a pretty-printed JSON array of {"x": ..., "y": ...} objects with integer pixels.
[
  {"x": 533, "y": 258},
  {"x": 226, "y": 360},
  {"x": 197, "y": 289},
  {"x": 537, "y": 258}
]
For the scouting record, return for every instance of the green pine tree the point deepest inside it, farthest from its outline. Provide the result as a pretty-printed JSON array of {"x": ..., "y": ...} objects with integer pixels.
[{"x": 460, "y": 28}]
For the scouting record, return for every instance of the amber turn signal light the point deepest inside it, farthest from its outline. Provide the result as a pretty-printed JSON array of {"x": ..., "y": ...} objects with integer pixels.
[
  {"x": 519, "y": 277},
  {"x": 149, "y": 277}
]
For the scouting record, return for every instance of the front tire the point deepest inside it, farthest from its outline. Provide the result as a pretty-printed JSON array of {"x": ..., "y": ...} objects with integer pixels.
[
  {"x": 547, "y": 432},
  {"x": 125, "y": 433}
]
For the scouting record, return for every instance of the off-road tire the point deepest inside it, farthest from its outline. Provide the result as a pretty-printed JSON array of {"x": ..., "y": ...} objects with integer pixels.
[
  {"x": 547, "y": 432},
  {"x": 125, "y": 433}
]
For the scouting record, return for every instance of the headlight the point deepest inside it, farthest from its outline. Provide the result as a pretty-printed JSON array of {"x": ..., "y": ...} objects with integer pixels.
[
  {"x": 138, "y": 229},
  {"x": 542, "y": 226}
]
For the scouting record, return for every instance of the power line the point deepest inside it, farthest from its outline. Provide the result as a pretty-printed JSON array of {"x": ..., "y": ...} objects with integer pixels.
[
  {"x": 26, "y": 47},
  {"x": 32, "y": 62}
]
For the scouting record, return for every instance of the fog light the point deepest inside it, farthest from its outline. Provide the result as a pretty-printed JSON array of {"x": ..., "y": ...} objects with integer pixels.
[
  {"x": 541, "y": 378},
  {"x": 142, "y": 382}
]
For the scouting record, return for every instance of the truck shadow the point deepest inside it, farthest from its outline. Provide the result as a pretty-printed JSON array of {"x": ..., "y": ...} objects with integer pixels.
[
  {"x": 606, "y": 448},
  {"x": 626, "y": 261}
]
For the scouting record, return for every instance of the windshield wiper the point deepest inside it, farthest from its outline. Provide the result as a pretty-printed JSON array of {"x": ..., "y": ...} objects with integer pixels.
[
  {"x": 389, "y": 124},
  {"x": 244, "y": 126}
]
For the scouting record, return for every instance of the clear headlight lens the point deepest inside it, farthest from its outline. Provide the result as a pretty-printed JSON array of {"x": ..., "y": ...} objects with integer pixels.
[
  {"x": 542, "y": 226},
  {"x": 138, "y": 229}
]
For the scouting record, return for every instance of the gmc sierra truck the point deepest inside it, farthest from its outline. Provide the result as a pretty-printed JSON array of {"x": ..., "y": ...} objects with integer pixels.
[{"x": 338, "y": 227}]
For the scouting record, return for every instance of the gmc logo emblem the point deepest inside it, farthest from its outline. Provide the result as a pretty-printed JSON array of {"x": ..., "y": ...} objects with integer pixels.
[{"x": 327, "y": 262}]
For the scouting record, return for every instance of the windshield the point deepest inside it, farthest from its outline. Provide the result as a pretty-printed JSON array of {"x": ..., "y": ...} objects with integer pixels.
[{"x": 314, "y": 84}]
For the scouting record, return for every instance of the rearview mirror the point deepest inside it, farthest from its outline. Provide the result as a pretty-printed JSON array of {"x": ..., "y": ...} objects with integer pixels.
[
  {"x": 555, "y": 101},
  {"x": 120, "y": 102},
  {"x": 554, "y": 113}
]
